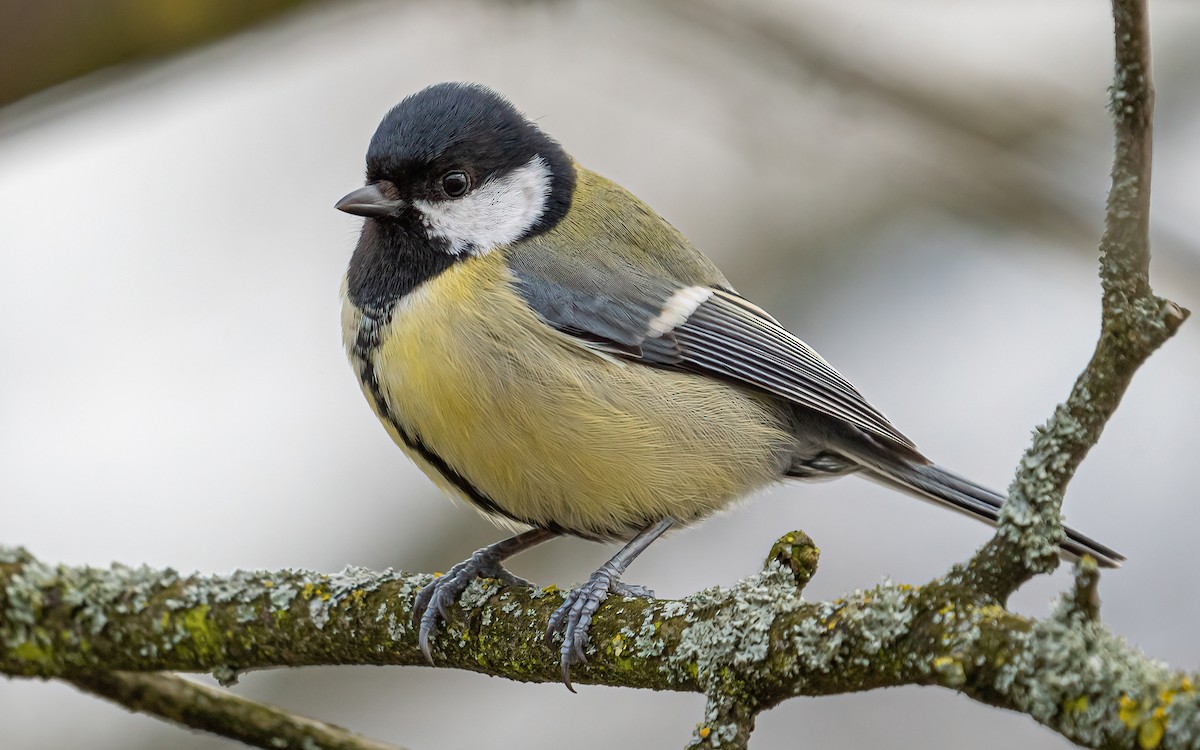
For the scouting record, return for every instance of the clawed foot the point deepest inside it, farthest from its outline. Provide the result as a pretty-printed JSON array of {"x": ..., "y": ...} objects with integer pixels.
[
  {"x": 574, "y": 617},
  {"x": 430, "y": 605}
]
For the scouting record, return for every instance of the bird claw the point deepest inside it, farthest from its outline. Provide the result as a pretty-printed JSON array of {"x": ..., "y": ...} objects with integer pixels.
[
  {"x": 430, "y": 607},
  {"x": 631, "y": 590},
  {"x": 574, "y": 617}
]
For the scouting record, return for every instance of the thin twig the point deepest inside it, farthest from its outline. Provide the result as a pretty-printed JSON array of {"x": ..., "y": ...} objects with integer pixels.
[
  {"x": 220, "y": 712},
  {"x": 1134, "y": 324}
]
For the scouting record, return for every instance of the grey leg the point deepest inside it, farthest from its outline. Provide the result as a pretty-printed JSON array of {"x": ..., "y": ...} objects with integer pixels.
[
  {"x": 431, "y": 603},
  {"x": 574, "y": 617}
]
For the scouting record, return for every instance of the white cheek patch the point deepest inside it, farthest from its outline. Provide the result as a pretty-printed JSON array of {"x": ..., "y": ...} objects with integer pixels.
[
  {"x": 496, "y": 213},
  {"x": 677, "y": 309}
]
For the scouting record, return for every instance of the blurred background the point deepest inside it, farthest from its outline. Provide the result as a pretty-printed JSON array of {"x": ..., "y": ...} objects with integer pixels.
[{"x": 915, "y": 188}]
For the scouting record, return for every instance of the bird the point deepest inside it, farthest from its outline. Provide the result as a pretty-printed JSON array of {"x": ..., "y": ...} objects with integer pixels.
[{"x": 550, "y": 350}]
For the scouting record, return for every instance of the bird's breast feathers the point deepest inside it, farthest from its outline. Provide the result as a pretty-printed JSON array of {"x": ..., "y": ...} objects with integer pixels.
[{"x": 502, "y": 410}]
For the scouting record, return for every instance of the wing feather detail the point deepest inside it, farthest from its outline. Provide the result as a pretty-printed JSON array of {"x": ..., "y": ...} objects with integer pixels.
[{"x": 729, "y": 337}]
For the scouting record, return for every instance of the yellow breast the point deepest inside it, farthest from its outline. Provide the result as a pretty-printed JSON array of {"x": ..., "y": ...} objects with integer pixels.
[{"x": 551, "y": 433}]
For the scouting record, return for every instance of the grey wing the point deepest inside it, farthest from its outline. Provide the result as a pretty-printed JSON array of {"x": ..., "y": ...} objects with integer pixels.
[
  {"x": 729, "y": 336},
  {"x": 698, "y": 328}
]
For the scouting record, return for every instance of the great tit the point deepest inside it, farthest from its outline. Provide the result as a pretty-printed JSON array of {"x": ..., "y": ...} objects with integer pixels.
[{"x": 547, "y": 348}]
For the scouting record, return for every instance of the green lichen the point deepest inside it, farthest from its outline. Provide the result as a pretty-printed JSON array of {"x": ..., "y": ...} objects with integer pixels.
[
  {"x": 950, "y": 671},
  {"x": 201, "y": 633},
  {"x": 30, "y": 651}
]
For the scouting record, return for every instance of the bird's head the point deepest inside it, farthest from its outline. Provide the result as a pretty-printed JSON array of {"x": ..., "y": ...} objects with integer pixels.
[{"x": 458, "y": 164}]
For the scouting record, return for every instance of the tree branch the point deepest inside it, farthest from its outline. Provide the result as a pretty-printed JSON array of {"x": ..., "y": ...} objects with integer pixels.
[
  {"x": 45, "y": 45},
  {"x": 1134, "y": 323},
  {"x": 748, "y": 647},
  {"x": 200, "y": 707}
]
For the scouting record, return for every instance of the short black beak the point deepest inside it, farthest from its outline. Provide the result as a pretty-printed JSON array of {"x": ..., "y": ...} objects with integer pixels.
[{"x": 370, "y": 201}]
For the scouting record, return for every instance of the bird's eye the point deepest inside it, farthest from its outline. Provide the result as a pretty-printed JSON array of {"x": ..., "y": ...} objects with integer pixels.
[{"x": 455, "y": 184}]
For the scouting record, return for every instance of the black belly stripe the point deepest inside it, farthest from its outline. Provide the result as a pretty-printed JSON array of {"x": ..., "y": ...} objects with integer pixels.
[
  {"x": 458, "y": 480},
  {"x": 374, "y": 320}
]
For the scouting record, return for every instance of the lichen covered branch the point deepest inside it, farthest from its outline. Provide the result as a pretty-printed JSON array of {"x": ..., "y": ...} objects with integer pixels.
[
  {"x": 1134, "y": 324},
  {"x": 748, "y": 647}
]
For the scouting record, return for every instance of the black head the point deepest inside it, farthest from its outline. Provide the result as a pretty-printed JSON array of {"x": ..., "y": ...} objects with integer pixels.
[{"x": 459, "y": 164}]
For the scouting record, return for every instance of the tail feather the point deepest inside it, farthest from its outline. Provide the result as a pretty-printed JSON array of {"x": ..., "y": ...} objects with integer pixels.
[{"x": 932, "y": 482}]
